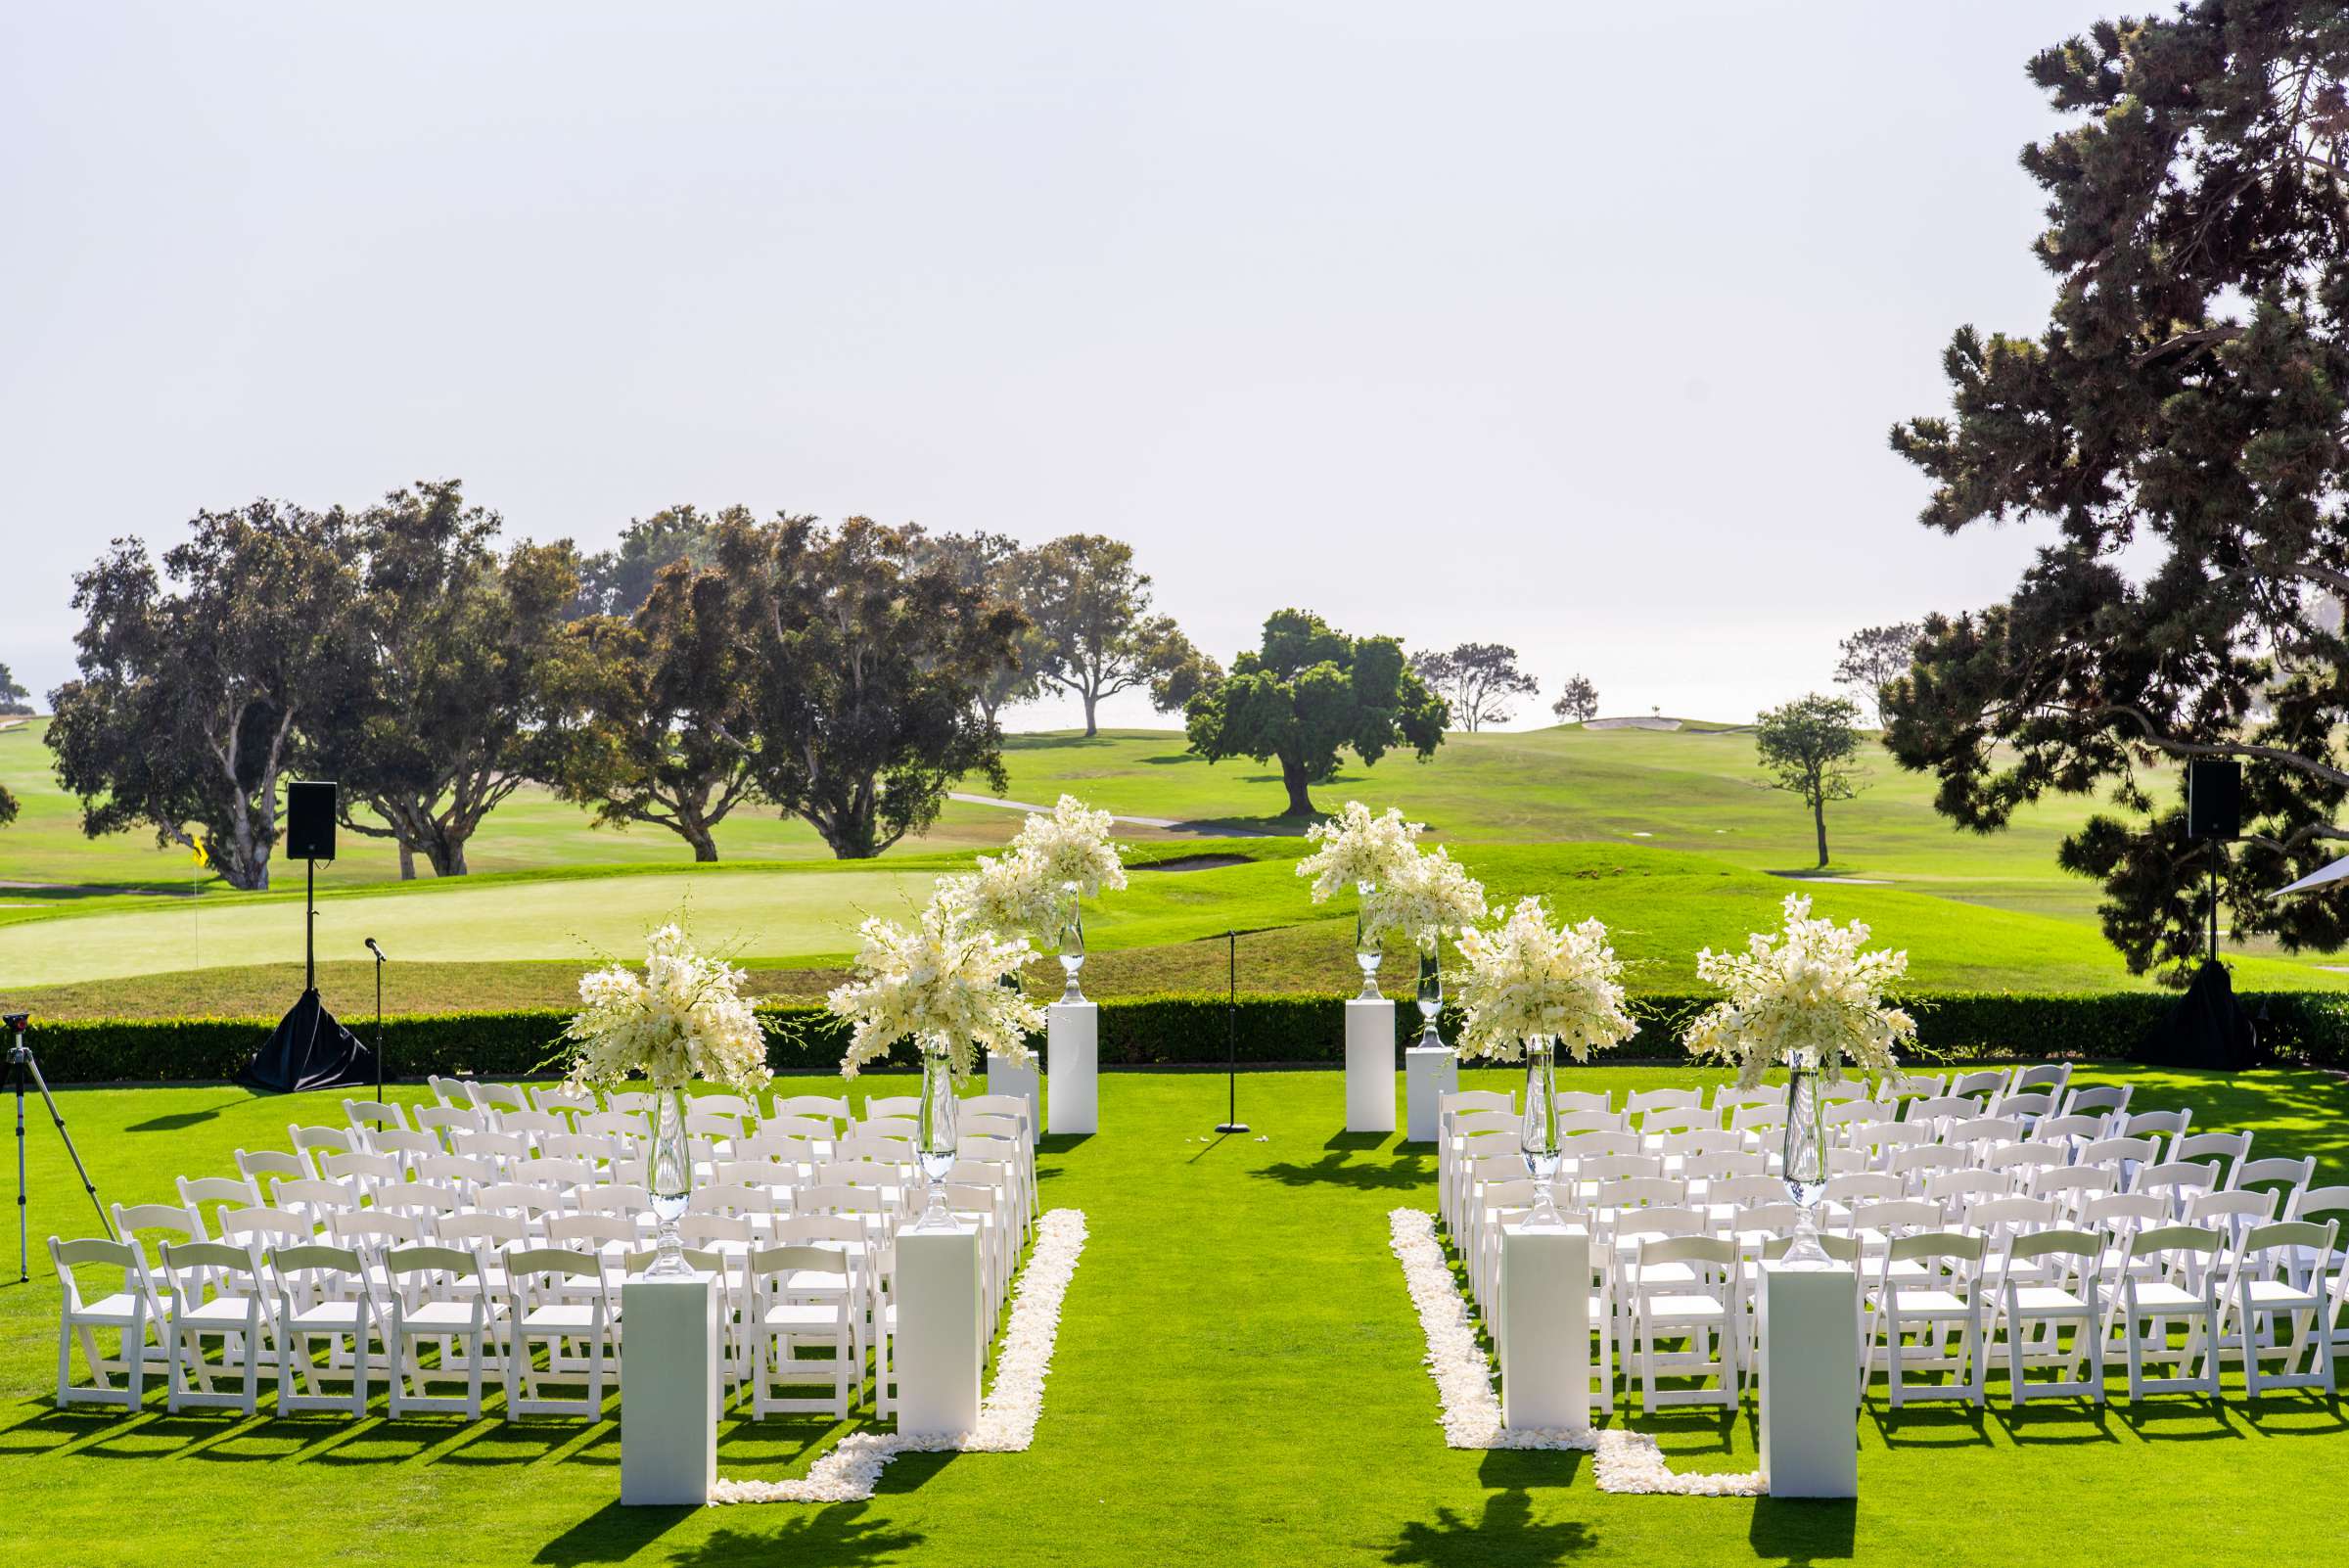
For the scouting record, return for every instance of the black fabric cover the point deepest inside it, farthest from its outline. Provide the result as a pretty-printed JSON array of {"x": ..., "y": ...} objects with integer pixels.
[
  {"x": 2206, "y": 1028},
  {"x": 310, "y": 1051}
]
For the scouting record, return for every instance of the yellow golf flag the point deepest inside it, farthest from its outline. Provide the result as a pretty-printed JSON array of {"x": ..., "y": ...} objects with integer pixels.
[{"x": 197, "y": 852}]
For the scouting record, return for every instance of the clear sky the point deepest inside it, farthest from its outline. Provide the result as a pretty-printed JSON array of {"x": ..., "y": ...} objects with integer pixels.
[{"x": 1573, "y": 326}]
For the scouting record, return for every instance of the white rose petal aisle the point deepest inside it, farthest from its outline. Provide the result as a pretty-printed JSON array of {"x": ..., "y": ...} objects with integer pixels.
[
  {"x": 1623, "y": 1460},
  {"x": 849, "y": 1472}
]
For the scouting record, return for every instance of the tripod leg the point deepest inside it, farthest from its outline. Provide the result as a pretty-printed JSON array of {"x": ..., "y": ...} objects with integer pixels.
[
  {"x": 16, "y": 1075},
  {"x": 87, "y": 1185}
]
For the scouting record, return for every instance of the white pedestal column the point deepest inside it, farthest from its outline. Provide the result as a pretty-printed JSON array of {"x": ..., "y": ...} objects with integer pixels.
[
  {"x": 937, "y": 1351},
  {"x": 1429, "y": 1072},
  {"x": 1073, "y": 1068},
  {"x": 668, "y": 1391},
  {"x": 1544, "y": 1329},
  {"x": 1369, "y": 1067},
  {"x": 1004, "y": 1078},
  {"x": 1809, "y": 1381}
]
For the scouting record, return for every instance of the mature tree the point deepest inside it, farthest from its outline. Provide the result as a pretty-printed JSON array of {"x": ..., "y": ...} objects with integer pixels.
[
  {"x": 1578, "y": 700},
  {"x": 1091, "y": 611},
  {"x": 1478, "y": 679},
  {"x": 1306, "y": 694},
  {"x": 1811, "y": 747},
  {"x": 644, "y": 708},
  {"x": 616, "y": 582},
  {"x": 2185, "y": 403},
  {"x": 862, "y": 676},
  {"x": 1874, "y": 657},
  {"x": 13, "y": 696},
  {"x": 437, "y": 726},
  {"x": 996, "y": 566},
  {"x": 185, "y": 712}
]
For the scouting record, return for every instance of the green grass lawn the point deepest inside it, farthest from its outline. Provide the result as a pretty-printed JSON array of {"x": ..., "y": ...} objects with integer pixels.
[
  {"x": 1661, "y": 904},
  {"x": 1238, "y": 1380},
  {"x": 1669, "y": 837}
]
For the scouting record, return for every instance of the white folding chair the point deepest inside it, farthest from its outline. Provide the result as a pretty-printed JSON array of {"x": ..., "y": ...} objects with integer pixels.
[
  {"x": 440, "y": 1294},
  {"x": 558, "y": 1298},
  {"x": 129, "y": 1312},
  {"x": 798, "y": 1301},
  {"x": 1702, "y": 1309},
  {"x": 2266, "y": 1289},
  {"x": 2181, "y": 1283},
  {"x": 1943, "y": 1307},
  {"x": 322, "y": 1294},
  {"x": 217, "y": 1293},
  {"x": 2051, "y": 1282}
]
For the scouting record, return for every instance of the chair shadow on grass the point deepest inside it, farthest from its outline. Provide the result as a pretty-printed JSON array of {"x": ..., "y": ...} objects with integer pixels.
[{"x": 1928, "y": 1426}]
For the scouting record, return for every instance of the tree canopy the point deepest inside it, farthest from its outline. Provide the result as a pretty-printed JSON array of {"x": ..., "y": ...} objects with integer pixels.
[
  {"x": 862, "y": 669},
  {"x": 1093, "y": 624},
  {"x": 1578, "y": 700},
  {"x": 1307, "y": 693},
  {"x": 1811, "y": 747},
  {"x": 193, "y": 679},
  {"x": 644, "y": 707},
  {"x": 1873, "y": 657},
  {"x": 2184, "y": 403},
  {"x": 447, "y": 697},
  {"x": 12, "y": 695},
  {"x": 1478, "y": 679},
  {"x": 617, "y": 581}
]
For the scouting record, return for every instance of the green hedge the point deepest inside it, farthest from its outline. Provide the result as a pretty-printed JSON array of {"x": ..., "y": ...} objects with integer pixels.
[{"x": 2311, "y": 1027}]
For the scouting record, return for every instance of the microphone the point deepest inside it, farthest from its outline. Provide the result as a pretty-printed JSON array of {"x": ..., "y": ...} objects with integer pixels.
[{"x": 378, "y": 951}]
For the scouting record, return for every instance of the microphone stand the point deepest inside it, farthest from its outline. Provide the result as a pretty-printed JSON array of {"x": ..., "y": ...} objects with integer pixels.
[
  {"x": 21, "y": 1066},
  {"x": 379, "y": 1019},
  {"x": 1231, "y": 1122}
]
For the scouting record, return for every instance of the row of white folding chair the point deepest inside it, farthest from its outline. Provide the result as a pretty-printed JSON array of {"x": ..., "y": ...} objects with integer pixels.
[{"x": 265, "y": 1317}]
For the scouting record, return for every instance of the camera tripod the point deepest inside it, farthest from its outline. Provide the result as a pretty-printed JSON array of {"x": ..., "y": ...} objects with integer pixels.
[{"x": 22, "y": 1067}]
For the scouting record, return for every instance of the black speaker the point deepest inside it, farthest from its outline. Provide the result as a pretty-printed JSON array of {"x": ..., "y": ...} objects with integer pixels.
[
  {"x": 2214, "y": 799},
  {"x": 311, "y": 819}
]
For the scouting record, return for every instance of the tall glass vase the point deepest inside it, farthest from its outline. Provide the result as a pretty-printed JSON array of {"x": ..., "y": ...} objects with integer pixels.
[
  {"x": 1367, "y": 951},
  {"x": 1538, "y": 1132},
  {"x": 1072, "y": 943},
  {"x": 669, "y": 1181},
  {"x": 933, "y": 1138},
  {"x": 1431, "y": 992},
  {"x": 1804, "y": 1158}
]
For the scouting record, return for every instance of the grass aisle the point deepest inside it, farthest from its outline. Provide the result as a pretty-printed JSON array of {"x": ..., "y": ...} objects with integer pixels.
[{"x": 1237, "y": 1381}]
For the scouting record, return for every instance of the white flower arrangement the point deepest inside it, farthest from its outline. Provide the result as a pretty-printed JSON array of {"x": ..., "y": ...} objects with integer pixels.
[
  {"x": 1426, "y": 896},
  {"x": 684, "y": 1018},
  {"x": 938, "y": 983},
  {"x": 1357, "y": 847},
  {"x": 1525, "y": 979},
  {"x": 1069, "y": 846},
  {"x": 1806, "y": 989},
  {"x": 1003, "y": 895}
]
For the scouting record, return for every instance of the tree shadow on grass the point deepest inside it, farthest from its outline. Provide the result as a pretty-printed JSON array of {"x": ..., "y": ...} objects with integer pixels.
[
  {"x": 1337, "y": 1170},
  {"x": 1506, "y": 1534},
  {"x": 1802, "y": 1530}
]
